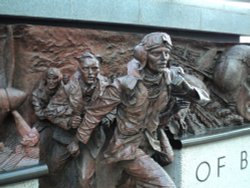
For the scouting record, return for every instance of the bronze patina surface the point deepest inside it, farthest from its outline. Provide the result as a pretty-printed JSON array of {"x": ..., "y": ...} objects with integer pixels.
[{"x": 106, "y": 105}]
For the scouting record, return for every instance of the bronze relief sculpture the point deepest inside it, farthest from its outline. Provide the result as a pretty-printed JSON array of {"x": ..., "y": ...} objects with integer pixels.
[
  {"x": 92, "y": 84},
  {"x": 12, "y": 98},
  {"x": 60, "y": 104},
  {"x": 91, "y": 124},
  {"x": 139, "y": 99},
  {"x": 232, "y": 76},
  {"x": 52, "y": 105}
]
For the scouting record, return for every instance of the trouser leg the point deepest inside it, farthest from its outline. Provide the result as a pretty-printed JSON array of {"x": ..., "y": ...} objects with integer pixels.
[
  {"x": 86, "y": 168},
  {"x": 60, "y": 156},
  {"x": 147, "y": 173},
  {"x": 56, "y": 156}
]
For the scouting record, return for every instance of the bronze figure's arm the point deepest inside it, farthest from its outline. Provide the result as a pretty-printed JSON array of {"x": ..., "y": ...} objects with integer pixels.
[
  {"x": 188, "y": 87},
  {"x": 97, "y": 110}
]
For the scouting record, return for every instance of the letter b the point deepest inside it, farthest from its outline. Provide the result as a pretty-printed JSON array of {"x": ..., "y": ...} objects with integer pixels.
[{"x": 243, "y": 161}]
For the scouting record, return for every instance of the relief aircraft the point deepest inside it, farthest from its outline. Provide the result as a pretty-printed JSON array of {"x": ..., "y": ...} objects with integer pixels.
[{"x": 11, "y": 98}]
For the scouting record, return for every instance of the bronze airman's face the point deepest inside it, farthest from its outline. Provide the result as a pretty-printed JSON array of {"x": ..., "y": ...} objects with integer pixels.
[
  {"x": 52, "y": 81},
  {"x": 90, "y": 69},
  {"x": 157, "y": 59}
]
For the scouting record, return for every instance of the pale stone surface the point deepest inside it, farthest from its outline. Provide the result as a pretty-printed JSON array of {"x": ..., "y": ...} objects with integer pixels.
[
  {"x": 215, "y": 164},
  {"x": 25, "y": 184},
  {"x": 218, "y": 16}
]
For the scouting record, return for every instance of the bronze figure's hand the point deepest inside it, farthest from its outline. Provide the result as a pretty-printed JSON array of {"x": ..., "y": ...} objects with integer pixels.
[
  {"x": 76, "y": 121},
  {"x": 73, "y": 148},
  {"x": 106, "y": 122}
]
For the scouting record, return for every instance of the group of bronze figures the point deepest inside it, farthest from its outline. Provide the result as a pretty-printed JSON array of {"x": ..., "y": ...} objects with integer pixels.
[
  {"x": 105, "y": 132},
  {"x": 86, "y": 119}
]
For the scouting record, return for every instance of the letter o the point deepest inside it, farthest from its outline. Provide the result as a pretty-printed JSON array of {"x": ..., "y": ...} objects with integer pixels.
[{"x": 202, "y": 179}]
